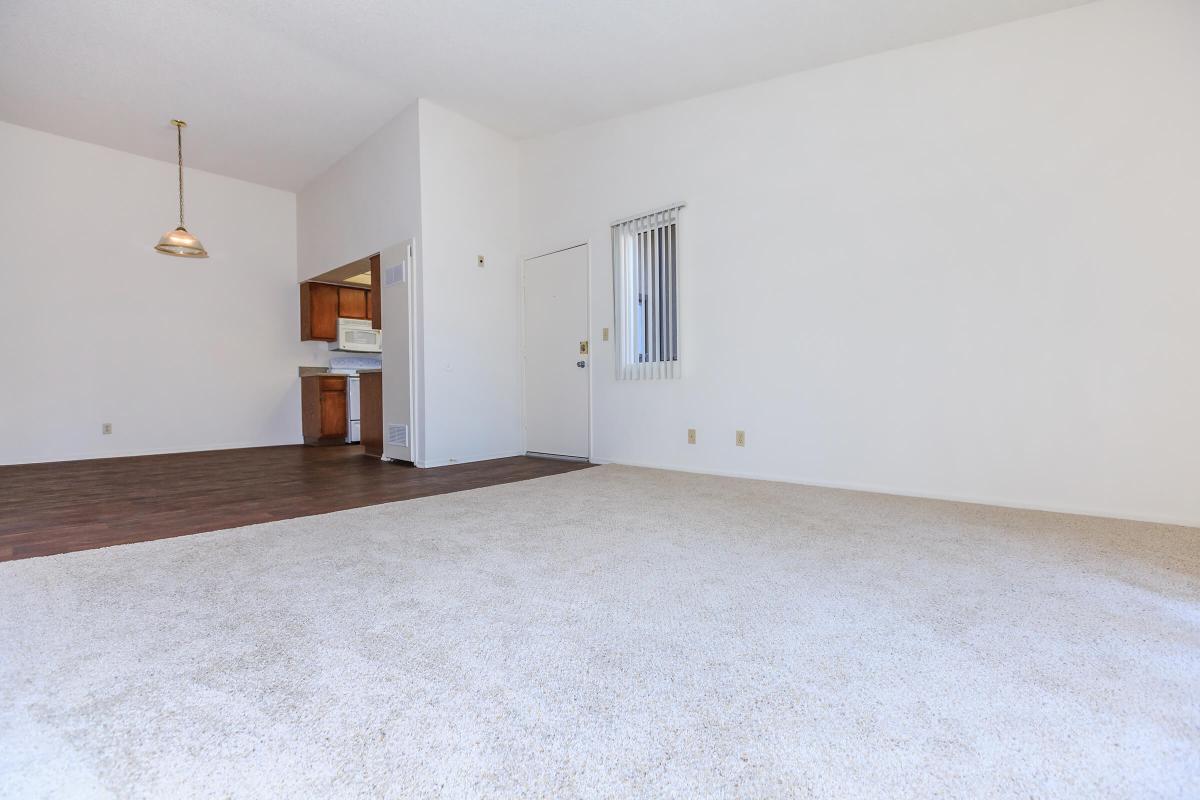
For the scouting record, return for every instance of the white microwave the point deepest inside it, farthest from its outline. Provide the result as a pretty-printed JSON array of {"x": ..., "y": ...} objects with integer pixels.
[{"x": 357, "y": 336}]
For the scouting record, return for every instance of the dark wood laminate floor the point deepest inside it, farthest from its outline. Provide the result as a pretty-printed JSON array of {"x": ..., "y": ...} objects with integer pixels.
[{"x": 79, "y": 505}]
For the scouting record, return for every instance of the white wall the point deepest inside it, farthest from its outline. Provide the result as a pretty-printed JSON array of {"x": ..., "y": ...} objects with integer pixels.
[
  {"x": 473, "y": 367},
  {"x": 178, "y": 354},
  {"x": 366, "y": 202},
  {"x": 967, "y": 269}
]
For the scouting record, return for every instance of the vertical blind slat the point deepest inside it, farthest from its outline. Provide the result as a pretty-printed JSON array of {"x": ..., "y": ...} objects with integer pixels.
[
  {"x": 666, "y": 366},
  {"x": 640, "y": 330},
  {"x": 666, "y": 302},
  {"x": 630, "y": 307},
  {"x": 635, "y": 306},
  {"x": 675, "y": 287},
  {"x": 669, "y": 250},
  {"x": 678, "y": 364},
  {"x": 648, "y": 278},
  {"x": 654, "y": 265}
]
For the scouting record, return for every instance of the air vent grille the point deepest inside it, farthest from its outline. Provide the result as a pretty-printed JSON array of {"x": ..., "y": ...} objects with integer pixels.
[
  {"x": 398, "y": 435},
  {"x": 396, "y": 274}
]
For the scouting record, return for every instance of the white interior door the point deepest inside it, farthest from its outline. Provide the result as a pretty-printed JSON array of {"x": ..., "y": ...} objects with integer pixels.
[{"x": 556, "y": 372}]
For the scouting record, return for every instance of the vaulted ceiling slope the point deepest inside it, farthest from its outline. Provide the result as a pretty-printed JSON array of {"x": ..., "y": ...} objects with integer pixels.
[{"x": 276, "y": 91}]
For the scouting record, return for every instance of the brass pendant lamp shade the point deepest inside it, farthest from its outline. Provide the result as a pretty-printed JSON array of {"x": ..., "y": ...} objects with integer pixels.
[{"x": 179, "y": 242}]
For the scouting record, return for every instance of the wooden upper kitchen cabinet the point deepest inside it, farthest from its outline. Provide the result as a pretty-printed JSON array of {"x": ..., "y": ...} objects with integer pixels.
[
  {"x": 318, "y": 312},
  {"x": 323, "y": 408},
  {"x": 352, "y": 303},
  {"x": 322, "y": 303}
]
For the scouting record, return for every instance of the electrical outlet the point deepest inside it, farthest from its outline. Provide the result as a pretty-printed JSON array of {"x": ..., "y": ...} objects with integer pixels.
[
  {"x": 691, "y": 435},
  {"x": 739, "y": 438},
  {"x": 106, "y": 428},
  {"x": 605, "y": 334}
]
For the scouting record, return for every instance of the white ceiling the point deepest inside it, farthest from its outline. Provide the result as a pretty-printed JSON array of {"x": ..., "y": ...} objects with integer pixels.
[{"x": 275, "y": 91}]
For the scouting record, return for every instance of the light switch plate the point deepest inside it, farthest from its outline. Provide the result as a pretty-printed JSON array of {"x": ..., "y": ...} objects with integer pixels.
[
  {"x": 479, "y": 260},
  {"x": 604, "y": 334},
  {"x": 691, "y": 435}
]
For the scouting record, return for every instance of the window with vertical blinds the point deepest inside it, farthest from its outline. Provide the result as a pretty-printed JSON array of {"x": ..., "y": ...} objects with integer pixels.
[{"x": 646, "y": 295}]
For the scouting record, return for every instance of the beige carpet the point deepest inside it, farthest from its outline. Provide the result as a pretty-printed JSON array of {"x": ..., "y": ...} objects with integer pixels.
[{"x": 613, "y": 632}]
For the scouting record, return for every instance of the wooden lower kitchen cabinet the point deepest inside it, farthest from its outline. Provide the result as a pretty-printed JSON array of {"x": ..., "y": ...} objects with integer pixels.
[
  {"x": 323, "y": 408},
  {"x": 370, "y": 392}
]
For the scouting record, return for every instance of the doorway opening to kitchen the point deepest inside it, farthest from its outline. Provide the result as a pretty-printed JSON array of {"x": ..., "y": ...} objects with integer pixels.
[{"x": 365, "y": 392}]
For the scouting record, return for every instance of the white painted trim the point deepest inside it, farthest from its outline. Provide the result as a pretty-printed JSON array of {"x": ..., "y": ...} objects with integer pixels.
[
  {"x": 165, "y": 451},
  {"x": 571, "y": 243},
  {"x": 591, "y": 359},
  {"x": 470, "y": 459},
  {"x": 416, "y": 354},
  {"x": 875, "y": 489}
]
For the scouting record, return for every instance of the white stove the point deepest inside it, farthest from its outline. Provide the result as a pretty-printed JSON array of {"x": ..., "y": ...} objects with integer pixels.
[{"x": 349, "y": 366}]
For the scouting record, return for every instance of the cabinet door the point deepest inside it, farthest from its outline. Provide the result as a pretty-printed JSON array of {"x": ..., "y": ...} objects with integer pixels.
[
  {"x": 352, "y": 303},
  {"x": 333, "y": 414},
  {"x": 323, "y": 311}
]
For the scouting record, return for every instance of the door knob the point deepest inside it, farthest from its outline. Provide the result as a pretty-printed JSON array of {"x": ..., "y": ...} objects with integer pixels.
[{"x": 581, "y": 364}]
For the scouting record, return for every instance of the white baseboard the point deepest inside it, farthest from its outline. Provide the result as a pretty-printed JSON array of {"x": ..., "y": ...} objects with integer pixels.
[
  {"x": 1002, "y": 502},
  {"x": 468, "y": 459},
  {"x": 160, "y": 451}
]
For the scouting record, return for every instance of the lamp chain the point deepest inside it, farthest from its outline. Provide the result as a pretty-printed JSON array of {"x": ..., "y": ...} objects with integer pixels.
[{"x": 179, "y": 141}]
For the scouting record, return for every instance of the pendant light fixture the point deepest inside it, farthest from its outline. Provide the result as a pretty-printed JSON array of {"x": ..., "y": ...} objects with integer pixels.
[{"x": 179, "y": 242}]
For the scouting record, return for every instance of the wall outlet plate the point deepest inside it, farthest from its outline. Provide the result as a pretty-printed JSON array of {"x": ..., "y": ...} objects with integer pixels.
[
  {"x": 106, "y": 428},
  {"x": 691, "y": 435},
  {"x": 604, "y": 334},
  {"x": 739, "y": 438}
]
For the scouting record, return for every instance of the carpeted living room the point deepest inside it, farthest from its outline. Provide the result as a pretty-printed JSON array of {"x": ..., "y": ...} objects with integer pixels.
[{"x": 581, "y": 400}]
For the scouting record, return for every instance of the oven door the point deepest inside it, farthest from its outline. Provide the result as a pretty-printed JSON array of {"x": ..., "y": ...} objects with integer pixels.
[{"x": 353, "y": 407}]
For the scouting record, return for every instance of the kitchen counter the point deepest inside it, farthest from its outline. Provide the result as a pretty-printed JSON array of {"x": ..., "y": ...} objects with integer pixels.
[{"x": 306, "y": 371}]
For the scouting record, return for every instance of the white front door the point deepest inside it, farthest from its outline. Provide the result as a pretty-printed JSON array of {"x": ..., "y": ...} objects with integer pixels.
[{"x": 556, "y": 372}]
